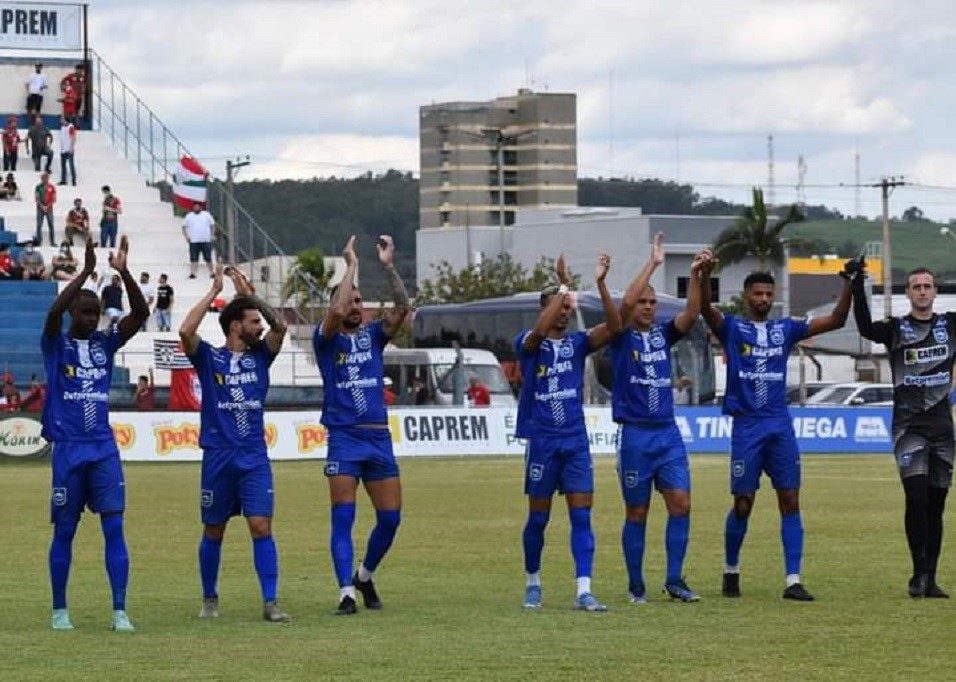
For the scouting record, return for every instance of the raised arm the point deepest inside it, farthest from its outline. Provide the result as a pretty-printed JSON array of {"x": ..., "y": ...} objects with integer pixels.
[
  {"x": 602, "y": 334},
  {"x": 551, "y": 312},
  {"x": 837, "y": 317},
  {"x": 713, "y": 317},
  {"x": 339, "y": 305},
  {"x": 878, "y": 332},
  {"x": 190, "y": 326},
  {"x": 400, "y": 308},
  {"x": 138, "y": 307},
  {"x": 277, "y": 326},
  {"x": 685, "y": 320},
  {"x": 63, "y": 301},
  {"x": 643, "y": 278}
]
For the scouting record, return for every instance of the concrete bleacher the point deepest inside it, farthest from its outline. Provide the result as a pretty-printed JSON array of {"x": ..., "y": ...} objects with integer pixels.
[{"x": 156, "y": 246}]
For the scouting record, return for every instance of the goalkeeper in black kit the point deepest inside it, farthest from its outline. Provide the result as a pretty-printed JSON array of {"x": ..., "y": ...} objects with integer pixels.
[{"x": 921, "y": 347}]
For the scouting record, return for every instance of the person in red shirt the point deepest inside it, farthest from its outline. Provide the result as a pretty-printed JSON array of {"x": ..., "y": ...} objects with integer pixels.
[
  {"x": 11, "y": 396},
  {"x": 8, "y": 266},
  {"x": 70, "y": 100},
  {"x": 35, "y": 397},
  {"x": 145, "y": 395},
  {"x": 478, "y": 394},
  {"x": 75, "y": 82},
  {"x": 11, "y": 144},
  {"x": 45, "y": 196}
]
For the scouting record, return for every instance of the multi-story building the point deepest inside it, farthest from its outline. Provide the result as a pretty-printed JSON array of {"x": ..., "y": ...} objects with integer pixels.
[{"x": 482, "y": 162}]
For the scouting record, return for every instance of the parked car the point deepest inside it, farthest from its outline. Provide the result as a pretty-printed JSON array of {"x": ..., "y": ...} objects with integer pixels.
[
  {"x": 813, "y": 387},
  {"x": 858, "y": 393}
]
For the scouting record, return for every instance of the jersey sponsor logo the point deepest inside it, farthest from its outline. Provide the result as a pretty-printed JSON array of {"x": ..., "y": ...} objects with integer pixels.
[
  {"x": 180, "y": 437},
  {"x": 247, "y": 362},
  {"x": 631, "y": 479},
  {"x": 565, "y": 349},
  {"x": 686, "y": 433},
  {"x": 737, "y": 468},
  {"x": 907, "y": 331},
  {"x": 653, "y": 383},
  {"x": 555, "y": 369},
  {"x": 776, "y": 336},
  {"x": 205, "y": 498},
  {"x": 653, "y": 356},
  {"x": 309, "y": 437},
  {"x": 918, "y": 356},
  {"x": 236, "y": 379},
  {"x": 58, "y": 497},
  {"x": 536, "y": 472},
  {"x": 99, "y": 357},
  {"x": 354, "y": 358},
  {"x": 749, "y": 350},
  {"x": 20, "y": 437},
  {"x": 760, "y": 376},
  {"x": 869, "y": 429},
  {"x": 928, "y": 380},
  {"x": 657, "y": 339},
  {"x": 363, "y": 340},
  {"x": 940, "y": 334},
  {"x": 87, "y": 373},
  {"x": 124, "y": 435}
]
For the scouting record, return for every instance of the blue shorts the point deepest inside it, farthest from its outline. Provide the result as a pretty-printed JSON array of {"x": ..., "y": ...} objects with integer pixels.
[
  {"x": 649, "y": 454},
  {"x": 558, "y": 464},
  {"x": 759, "y": 444},
  {"x": 364, "y": 454},
  {"x": 86, "y": 475},
  {"x": 235, "y": 482}
]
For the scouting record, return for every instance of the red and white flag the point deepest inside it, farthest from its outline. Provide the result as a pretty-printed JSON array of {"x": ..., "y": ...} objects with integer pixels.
[{"x": 189, "y": 183}]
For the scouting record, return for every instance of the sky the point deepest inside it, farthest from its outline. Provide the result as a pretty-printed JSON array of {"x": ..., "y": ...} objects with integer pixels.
[{"x": 683, "y": 91}]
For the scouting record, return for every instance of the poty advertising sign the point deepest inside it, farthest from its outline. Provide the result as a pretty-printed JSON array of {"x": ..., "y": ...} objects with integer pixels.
[{"x": 34, "y": 26}]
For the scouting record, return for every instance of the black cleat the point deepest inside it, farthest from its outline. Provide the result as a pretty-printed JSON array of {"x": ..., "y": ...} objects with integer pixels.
[
  {"x": 346, "y": 607},
  {"x": 367, "y": 590},
  {"x": 731, "y": 586},
  {"x": 919, "y": 585},
  {"x": 796, "y": 592},
  {"x": 934, "y": 591}
]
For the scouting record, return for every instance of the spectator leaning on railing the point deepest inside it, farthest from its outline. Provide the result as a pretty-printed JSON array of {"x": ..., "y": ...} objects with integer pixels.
[{"x": 109, "y": 223}]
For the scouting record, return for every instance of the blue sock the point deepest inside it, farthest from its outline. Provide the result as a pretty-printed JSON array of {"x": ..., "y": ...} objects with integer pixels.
[
  {"x": 209, "y": 553},
  {"x": 676, "y": 536},
  {"x": 735, "y": 529},
  {"x": 117, "y": 558},
  {"x": 632, "y": 540},
  {"x": 61, "y": 555},
  {"x": 266, "y": 560},
  {"x": 381, "y": 537},
  {"x": 533, "y": 540},
  {"x": 582, "y": 541},
  {"x": 791, "y": 534},
  {"x": 343, "y": 516}
]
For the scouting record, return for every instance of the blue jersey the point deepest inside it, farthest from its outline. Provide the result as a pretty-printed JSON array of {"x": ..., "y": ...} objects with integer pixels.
[
  {"x": 78, "y": 376},
  {"x": 641, "y": 361},
  {"x": 234, "y": 387},
  {"x": 552, "y": 379},
  {"x": 757, "y": 364},
  {"x": 352, "y": 369}
]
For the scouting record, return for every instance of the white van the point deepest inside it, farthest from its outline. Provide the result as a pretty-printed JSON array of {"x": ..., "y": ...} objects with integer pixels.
[{"x": 425, "y": 376}]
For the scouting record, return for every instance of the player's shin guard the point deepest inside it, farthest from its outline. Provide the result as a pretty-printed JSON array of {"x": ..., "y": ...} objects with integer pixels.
[
  {"x": 266, "y": 560},
  {"x": 632, "y": 542},
  {"x": 916, "y": 520},
  {"x": 676, "y": 537},
  {"x": 934, "y": 540},
  {"x": 343, "y": 516},
  {"x": 582, "y": 541},
  {"x": 533, "y": 540},
  {"x": 381, "y": 537},
  {"x": 117, "y": 558},
  {"x": 209, "y": 553},
  {"x": 791, "y": 535},
  {"x": 735, "y": 529},
  {"x": 61, "y": 555}
]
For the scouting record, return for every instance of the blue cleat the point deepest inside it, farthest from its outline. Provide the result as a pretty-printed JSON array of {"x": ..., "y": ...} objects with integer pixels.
[
  {"x": 532, "y": 597},
  {"x": 678, "y": 589},
  {"x": 120, "y": 622},
  {"x": 61, "y": 620},
  {"x": 588, "y": 602},
  {"x": 636, "y": 593}
]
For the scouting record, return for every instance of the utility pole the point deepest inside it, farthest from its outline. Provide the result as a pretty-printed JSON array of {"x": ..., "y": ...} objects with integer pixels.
[
  {"x": 887, "y": 185},
  {"x": 771, "y": 184},
  {"x": 231, "y": 216}
]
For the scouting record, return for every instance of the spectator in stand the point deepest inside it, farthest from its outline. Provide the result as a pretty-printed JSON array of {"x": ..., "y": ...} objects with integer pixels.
[
  {"x": 94, "y": 283},
  {"x": 9, "y": 189},
  {"x": 388, "y": 393},
  {"x": 478, "y": 395},
  {"x": 145, "y": 395},
  {"x": 32, "y": 263},
  {"x": 112, "y": 300},
  {"x": 164, "y": 304},
  {"x": 149, "y": 293},
  {"x": 64, "y": 265},
  {"x": 36, "y": 84},
  {"x": 78, "y": 222},
  {"x": 8, "y": 267},
  {"x": 198, "y": 228},
  {"x": 45, "y": 197},
  {"x": 35, "y": 397},
  {"x": 39, "y": 144},
  {"x": 109, "y": 223},
  {"x": 11, "y": 396},
  {"x": 75, "y": 82},
  {"x": 67, "y": 148},
  {"x": 70, "y": 99},
  {"x": 11, "y": 144}
]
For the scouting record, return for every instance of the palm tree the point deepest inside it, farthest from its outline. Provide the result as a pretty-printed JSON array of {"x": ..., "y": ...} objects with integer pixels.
[
  {"x": 307, "y": 282},
  {"x": 751, "y": 236}
]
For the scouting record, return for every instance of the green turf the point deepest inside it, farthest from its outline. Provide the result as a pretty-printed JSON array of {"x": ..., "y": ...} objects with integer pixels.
[{"x": 452, "y": 587}]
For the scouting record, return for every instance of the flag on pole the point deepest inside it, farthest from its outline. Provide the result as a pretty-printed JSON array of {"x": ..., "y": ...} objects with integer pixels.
[
  {"x": 185, "y": 393},
  {"x": 189, "y": 183}
]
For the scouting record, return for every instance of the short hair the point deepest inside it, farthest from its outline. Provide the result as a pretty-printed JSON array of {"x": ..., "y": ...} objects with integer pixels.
[
  {"x": 759, "y": 278},
  {"x": 144, "y": 274},
  {"x": 106, "y": 188},
  {"x": 547, "y": 293},
  {"x": 84, "y": 293},
  {"x": 234, "y": 311},
  {"x": 162, "y": 275},
  {"x": 143, "y": 377},
  {"x": 920, "y": 271}
]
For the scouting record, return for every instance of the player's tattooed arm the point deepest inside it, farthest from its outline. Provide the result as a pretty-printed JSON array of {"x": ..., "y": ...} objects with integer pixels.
[
  {"x": 643, "y": 278},
  {"x": 400, "y": 308},
  {"x": 190, "y": 326},
  {"x": 342, "y": 299},
  {"x": 837, "y": 317},
  {"x": 878, "y": 332},
  {"x": 551, "y": 312},
  {"x": 138, "y": 307},
  {"x": 62, "y": 303},
  {"x": 602, "y": 334},
  {"x": 688, "y": 316},
  {"x": 713, "y": 317}
]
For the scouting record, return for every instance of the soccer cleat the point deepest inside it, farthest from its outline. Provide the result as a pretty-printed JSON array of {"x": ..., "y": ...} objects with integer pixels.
[
  {"x": 678, "y": 590},
  {"x": 272, "y": 613},
  {"x": 636, "y": 593},
  {"x": 61, "y": 620},
  {"x": 367, "y": 590},
  {"x": 532, "y": 597},
  {"x": 934, "y": 591},
  {"x": 731, "y": 587},
  {"x": 797, "y": 592},
  {"x": 588, "y": 602},
  {"x": 346, "y": 607},
  {"x": 120, "y": 622},
  {"x": 210, "y": 607},
  {"x": 918, "y": 585}
]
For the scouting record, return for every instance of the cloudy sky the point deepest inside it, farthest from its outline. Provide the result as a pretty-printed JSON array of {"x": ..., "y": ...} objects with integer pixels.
[{"x": 678, "y": 90}]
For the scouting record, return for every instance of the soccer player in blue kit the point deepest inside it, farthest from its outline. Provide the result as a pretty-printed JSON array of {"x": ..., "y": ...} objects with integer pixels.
[
  {"x": 86, "y": 461},
  {"x": 650, "y": 447},
  {"x": 349, "y": 355},
  {"x": 762, "y": 438},
  {"x": 551, "y": 418},
  {"x": 236, "y": 474}
]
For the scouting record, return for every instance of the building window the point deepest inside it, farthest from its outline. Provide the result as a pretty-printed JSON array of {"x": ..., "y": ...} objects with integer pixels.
[
  {"x": 509, "y": 217},
  {"x": 682, "y": 283}
]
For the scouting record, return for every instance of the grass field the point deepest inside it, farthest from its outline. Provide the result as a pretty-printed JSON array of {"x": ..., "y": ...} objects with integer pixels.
[{"x": 453, "y": 583}]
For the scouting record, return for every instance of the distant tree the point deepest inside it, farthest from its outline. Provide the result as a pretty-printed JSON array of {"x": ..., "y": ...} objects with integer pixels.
[
  {"x": 307, "y": 283},
  {"x": 914, "y": 214},
  {"x": 735, "y": 306}
]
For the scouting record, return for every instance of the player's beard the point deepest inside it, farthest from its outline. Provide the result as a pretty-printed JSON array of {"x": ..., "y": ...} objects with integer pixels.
[{"x": 351, "y": 324}]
